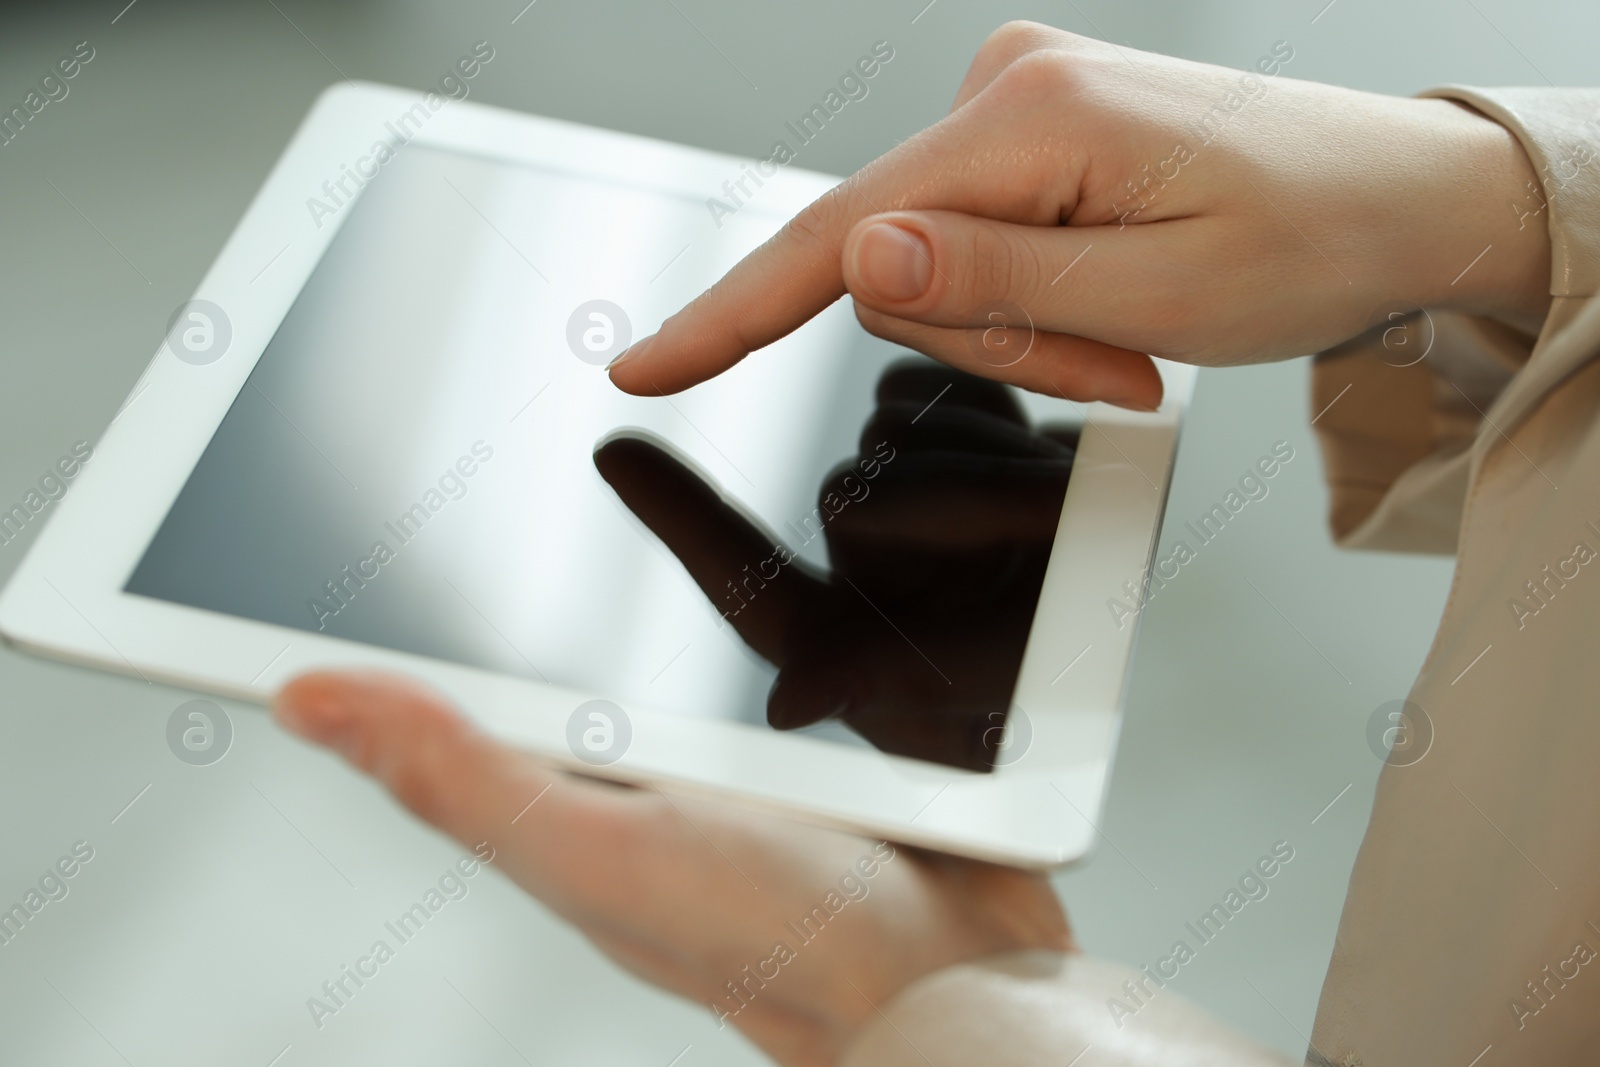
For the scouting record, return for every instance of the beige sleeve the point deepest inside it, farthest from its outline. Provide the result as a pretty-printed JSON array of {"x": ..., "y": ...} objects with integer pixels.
[
  {"x": 1396, "y": 429},
  {"x": 1029, "y": 1008}
]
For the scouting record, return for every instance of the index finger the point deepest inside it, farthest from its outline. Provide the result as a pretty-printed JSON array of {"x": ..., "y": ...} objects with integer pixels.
[
  {"x": 769, "y": 294},
  {"x": 798, "y": 272}
]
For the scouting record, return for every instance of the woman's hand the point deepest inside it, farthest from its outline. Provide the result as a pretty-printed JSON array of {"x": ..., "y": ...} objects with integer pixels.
[
  {"x": 690, "y": 894},
  {"x": 1123, "y": 203}
]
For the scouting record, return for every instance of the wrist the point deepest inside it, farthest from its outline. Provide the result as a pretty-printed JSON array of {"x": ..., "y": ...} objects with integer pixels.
[{"x": 1487, "y": 250}]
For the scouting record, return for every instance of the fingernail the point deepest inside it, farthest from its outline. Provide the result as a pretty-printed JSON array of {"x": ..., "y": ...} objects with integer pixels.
[
  {"x": 1133, "y": 405},
  {"x": 631, "y": 352},
  {"x": 893, "y": 263}
]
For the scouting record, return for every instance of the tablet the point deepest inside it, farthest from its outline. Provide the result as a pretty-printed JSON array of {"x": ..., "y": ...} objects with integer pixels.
[{"x": 839, "y": 581}]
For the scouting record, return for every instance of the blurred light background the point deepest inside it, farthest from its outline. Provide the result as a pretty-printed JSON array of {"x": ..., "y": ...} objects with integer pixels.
[{"x": 207, "y": 916}]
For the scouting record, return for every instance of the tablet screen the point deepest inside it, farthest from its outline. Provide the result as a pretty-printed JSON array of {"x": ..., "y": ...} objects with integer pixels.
[{"x": 833, "y": 537}]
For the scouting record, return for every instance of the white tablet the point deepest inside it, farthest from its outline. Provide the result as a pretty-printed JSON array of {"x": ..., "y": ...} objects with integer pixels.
[{"x": 839, "y": 581}]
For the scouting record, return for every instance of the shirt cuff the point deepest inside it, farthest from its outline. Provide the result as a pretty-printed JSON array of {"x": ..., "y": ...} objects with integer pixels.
[{"x": 1396, "y": 429}]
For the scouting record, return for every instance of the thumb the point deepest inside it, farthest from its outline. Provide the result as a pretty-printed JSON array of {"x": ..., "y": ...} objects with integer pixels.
[
  {"x": 984, "y": 296},
  {"x": 434, "y": 761},
  {"x": 542, "y": 824}
]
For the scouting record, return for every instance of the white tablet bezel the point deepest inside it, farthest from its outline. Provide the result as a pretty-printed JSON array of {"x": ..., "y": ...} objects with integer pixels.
[{"x": 1039, "y": 809}]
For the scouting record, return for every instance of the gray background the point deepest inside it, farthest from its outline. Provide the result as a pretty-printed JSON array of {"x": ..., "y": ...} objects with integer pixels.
[{"x": 223, "y": 897}]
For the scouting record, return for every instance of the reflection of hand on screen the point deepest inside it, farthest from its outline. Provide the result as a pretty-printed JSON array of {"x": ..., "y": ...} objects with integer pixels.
[{"x": 938, "y": 534}]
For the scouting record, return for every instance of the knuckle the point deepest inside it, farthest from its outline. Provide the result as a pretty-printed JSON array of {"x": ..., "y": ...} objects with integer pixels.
[
  {"x": 1042, "y": 75},
  {"x": 1013, "y": 39},
  {"x": 815, "y": 221},
  {"x": 989, "y": 267},
  {"x": 1002, "y": 268}
]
